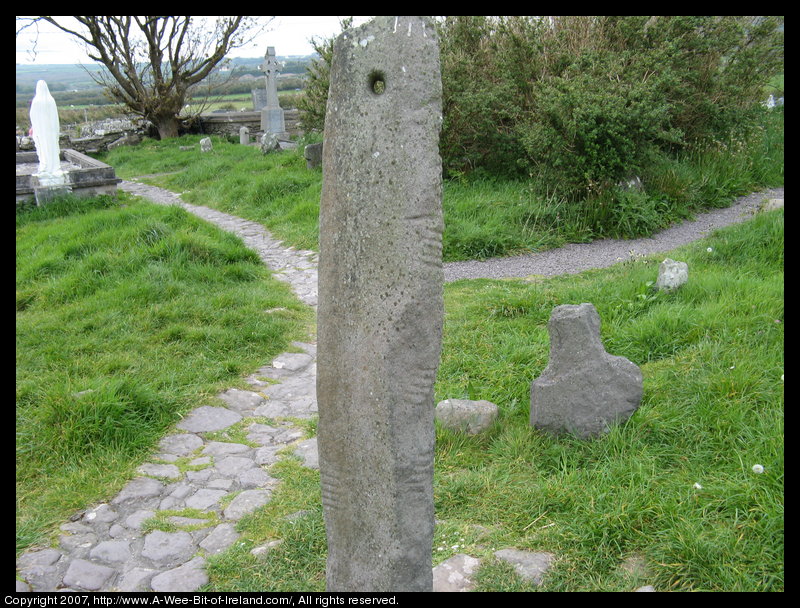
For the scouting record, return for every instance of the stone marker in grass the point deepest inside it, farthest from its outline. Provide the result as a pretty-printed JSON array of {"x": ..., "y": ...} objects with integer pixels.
[{"x": 583, "y": 390}]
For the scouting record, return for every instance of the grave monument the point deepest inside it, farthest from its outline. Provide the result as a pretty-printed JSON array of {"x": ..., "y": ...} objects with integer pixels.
[
  {"x": 380, "y": 311},
  {"x": 584, "y": 390},
  {"x": 49, "y": 177},
  {"x": 272, "y": 120}
]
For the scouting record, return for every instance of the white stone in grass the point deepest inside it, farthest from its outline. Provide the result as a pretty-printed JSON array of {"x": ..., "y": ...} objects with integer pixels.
[{"x": 671, "y": 275}]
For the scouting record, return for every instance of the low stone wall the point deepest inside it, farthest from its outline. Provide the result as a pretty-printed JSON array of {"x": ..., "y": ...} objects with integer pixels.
[{"x": 229, "y": 123}]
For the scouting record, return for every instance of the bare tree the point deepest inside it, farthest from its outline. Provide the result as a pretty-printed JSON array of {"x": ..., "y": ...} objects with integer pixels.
[{"x": 152, "y": 62}]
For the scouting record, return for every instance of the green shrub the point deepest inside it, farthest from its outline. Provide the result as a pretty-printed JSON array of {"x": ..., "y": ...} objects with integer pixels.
[{"x": 581, "y": 103}]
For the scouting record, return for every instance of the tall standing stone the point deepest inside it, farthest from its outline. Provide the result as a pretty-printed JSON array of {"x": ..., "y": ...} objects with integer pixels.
[
  {"x": 272, "y": 119},
  {"x": 380, "y": 310}
]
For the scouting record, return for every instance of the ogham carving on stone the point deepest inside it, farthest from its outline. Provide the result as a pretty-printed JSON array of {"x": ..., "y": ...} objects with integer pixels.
[{"x": 380, "y": 305}]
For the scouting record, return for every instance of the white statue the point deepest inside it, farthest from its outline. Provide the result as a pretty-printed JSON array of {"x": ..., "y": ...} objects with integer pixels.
[{"x": 45, "y": 131}]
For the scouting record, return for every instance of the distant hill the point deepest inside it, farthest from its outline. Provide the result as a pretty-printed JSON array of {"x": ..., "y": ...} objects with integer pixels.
[
  {"x": 73, "y": 84},
  {"x": 62, "y": 77}
]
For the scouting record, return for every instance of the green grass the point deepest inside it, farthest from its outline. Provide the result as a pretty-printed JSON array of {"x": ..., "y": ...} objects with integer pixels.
[
  {"x": 154, "y": 312},
  {"x": 483, "y": 217},
  {"x": 128, "y": 315},
  {"x": 712, "y": 359}
]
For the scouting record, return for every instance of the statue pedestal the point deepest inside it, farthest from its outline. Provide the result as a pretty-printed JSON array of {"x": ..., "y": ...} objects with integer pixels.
[
  {"x": 47, "y": 186},
  {"x": 45, "y": 194}
]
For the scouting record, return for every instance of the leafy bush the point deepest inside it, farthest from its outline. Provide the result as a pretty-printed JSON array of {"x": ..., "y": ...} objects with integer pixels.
[{"x": 581, "y": 103}]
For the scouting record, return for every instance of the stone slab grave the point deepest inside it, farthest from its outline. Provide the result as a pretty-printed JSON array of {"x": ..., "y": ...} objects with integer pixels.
[
  {"x": 380, "y": 310},
  {"x": 583, "y": 390}
]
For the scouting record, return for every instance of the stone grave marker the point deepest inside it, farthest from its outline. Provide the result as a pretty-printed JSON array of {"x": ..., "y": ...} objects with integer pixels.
[
  {"x": 380, "y": 310},
  {"x": 583, "y": 390},
  {"x": 272, "y": 119}
]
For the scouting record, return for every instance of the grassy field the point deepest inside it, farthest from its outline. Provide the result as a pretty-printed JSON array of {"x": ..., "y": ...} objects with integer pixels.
[
  {"x": 712, "y": 359},
  {"x": 151, "y": 311}
]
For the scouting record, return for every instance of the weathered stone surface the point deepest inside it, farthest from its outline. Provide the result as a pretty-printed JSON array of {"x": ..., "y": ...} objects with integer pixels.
[
  {"x": 188, "y": 577},
  {"x": 167, "y": 548},
  {"x": 671, "y": 275},
  {"x": 141, "y": 487},
  {"x": 207, "y": 418},
  {"x": 205, "y": 145},
  {"x": 471, "y": 417},
  {"x": 529, "y": 565},
  {"x": 182, "y": 444},
  {"x": 221, "y": 537},
  {"x": 255, "y": 478},
  {"x": 87, "y": 575},
  {"x": 204, "y": 498},
  {"x": 308, "y": 451},
  {"x": 313, "y": 155},
  {"x": 244, "y": 402},
  {"x": 583, "y": 390},
  {"x": 169, "y": 471},
  {"x": 101, "y": 513},
  {"x": 380, "y": 304},
  {"x": 269, "y": 141},
  {"x": 111, "y": 551},
  {"x": 245, "y": 503},
  {"x": 456, "y": 573},
  {"x": 136, "y": 579},
  {"x": 233, "y": 465},
  {"x": 220, "y": 448}
]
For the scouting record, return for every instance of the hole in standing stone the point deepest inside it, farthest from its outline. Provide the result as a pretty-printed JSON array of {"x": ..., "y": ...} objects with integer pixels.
[{"x": 377, "y": 82}]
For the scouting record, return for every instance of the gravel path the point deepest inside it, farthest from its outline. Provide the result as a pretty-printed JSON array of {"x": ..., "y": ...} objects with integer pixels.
[{"x": 577, "y": 257}]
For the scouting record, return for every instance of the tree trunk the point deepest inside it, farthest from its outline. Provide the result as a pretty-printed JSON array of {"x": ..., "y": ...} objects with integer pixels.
[{"x": 167, "y": 126}]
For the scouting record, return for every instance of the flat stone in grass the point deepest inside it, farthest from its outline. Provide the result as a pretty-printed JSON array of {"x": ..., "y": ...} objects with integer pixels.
[
  {"x": 455, "y": 573},
  {"x": 471, "y": 417},
  {"x": 292, "y": 361},
  {"x": 223, "y": 448},
  {"x": 243, "y": 402},
  {"x": 245, "y": 503},
  {"x": 188, "y": 577},
  {"x": 220, "y": 538},
  {"x": 169, "y": 471},
  {"x": 255, "y": 478},
  {"x": 204, "y": 498},
  {"x": 206, "y": 418},
  {"x": 112, "y": 552},
  {"x": 167, "y": 548},
  {"x": 139, "y": 488},
  {"x": 529, "y": 565},
  {"x": 182, "y": 444},
  {"x": 307, "y": 450},
  {"x": 136, "y": 579},
  {"x": 231, "y": 466},
  {"x": 87, "y": 575}
]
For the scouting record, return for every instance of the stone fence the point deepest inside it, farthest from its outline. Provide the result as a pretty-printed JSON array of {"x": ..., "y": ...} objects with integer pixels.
[{"x": 109, "y": 134}]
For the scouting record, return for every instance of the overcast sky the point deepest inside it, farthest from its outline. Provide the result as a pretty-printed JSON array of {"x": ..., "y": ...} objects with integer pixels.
[{"x": 289, "y": 36}]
